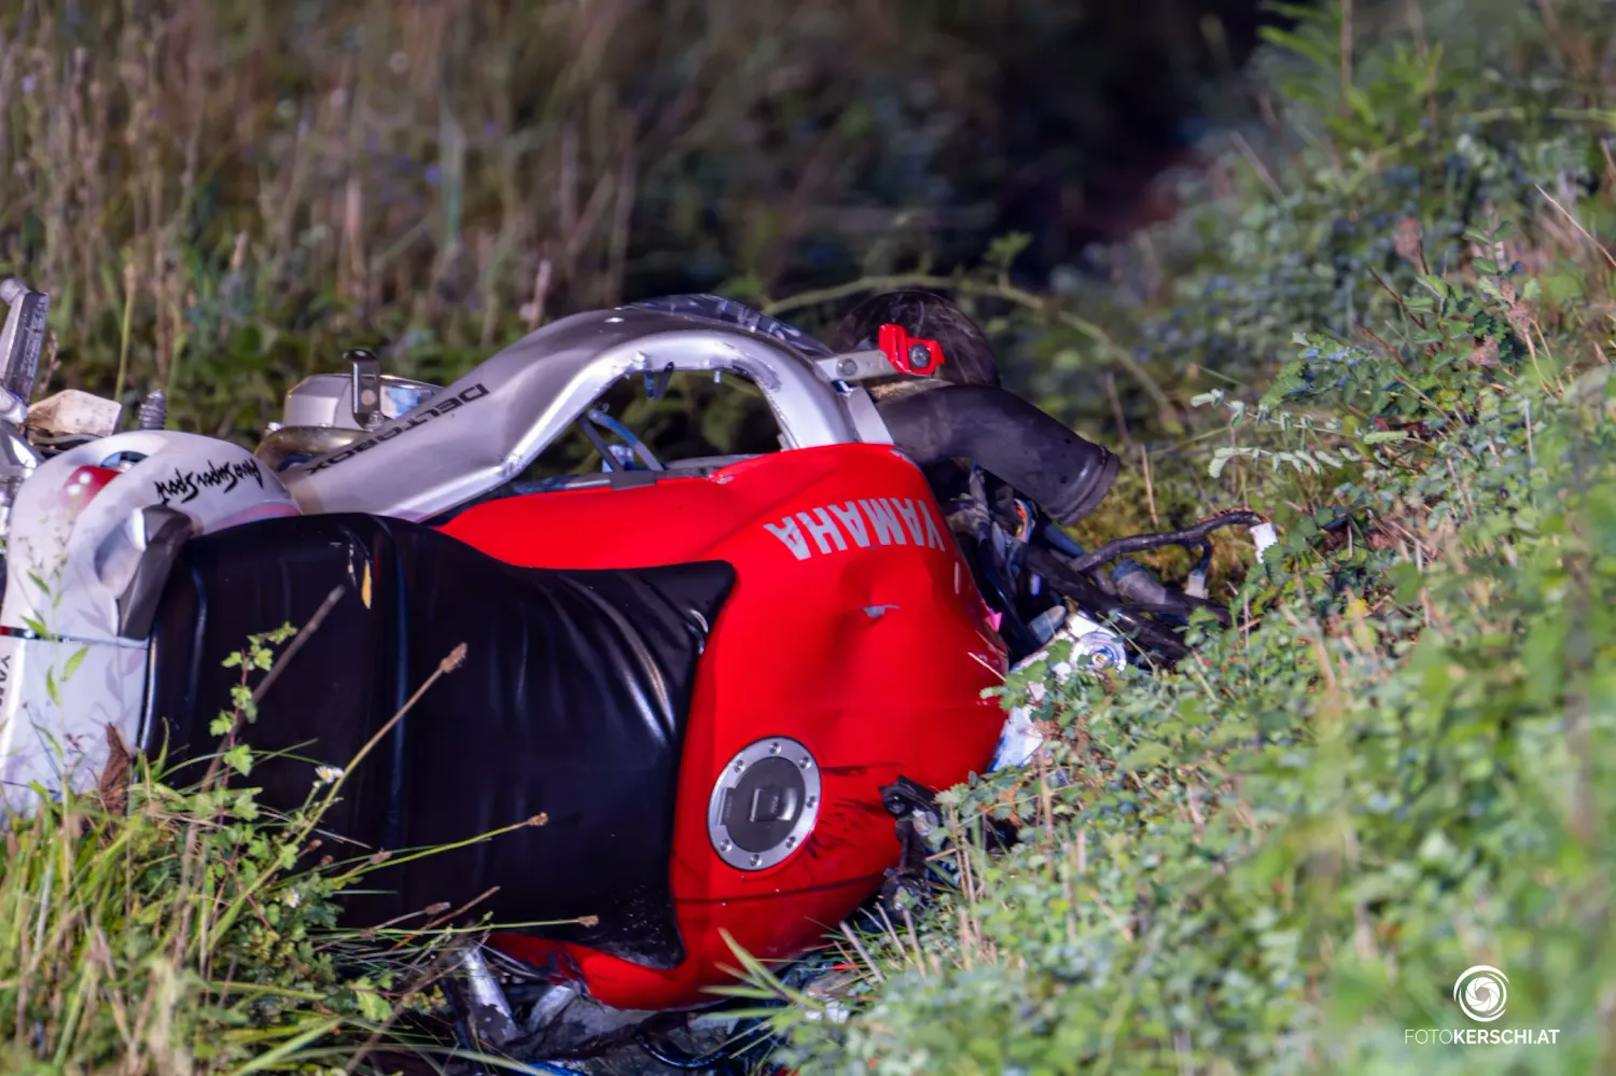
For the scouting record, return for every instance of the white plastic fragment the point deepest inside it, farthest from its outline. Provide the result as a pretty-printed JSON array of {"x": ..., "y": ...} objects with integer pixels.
[
  {"x": 1264, "y": 535},
  {"x": 1021, "y": 738},
  {"x": 74, "y": 413},
  {"x": 1017, "y": 742}
]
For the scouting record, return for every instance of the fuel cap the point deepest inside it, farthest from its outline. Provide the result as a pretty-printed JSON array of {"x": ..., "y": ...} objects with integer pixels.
[{"x": 764, "y": 803}]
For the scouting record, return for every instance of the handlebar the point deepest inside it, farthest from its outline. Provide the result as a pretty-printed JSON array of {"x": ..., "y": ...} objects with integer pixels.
[{"x": 23, "y": 337}]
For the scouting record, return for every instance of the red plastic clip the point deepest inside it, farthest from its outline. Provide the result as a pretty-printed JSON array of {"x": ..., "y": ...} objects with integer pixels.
[{"x": 912, "y": 355}]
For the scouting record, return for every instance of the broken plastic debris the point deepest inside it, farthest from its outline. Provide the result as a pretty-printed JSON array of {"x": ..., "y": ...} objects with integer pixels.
[{"x": 1264, "y": 535}]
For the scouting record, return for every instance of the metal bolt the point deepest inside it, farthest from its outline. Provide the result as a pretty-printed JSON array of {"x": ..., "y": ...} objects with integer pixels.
[
  {"x": 756, "y": 860},
  {"x": 153, "y": 413},
  {"x": 847, "y": 368},
  {"x": 791, "y": 842},
  {"x": 918, "y": 356}
]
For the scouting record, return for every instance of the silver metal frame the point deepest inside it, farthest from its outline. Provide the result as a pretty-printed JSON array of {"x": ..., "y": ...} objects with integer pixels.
[
  {"x": 487, "y": 427},
  {"x": 327, "y": 400}
]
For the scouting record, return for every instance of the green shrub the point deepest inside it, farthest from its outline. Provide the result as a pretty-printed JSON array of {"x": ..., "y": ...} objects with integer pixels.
[{"x": 1399, "y": 762}]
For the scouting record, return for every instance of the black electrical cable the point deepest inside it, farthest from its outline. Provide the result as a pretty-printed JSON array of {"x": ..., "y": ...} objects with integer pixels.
[
  {"x": 596, "y": 417},
  {"x": 1186, "y": 537},
  {"x": 1088, "y": 594},
  {"x": 1204, "y": 562},
  {"x": 1011, "y": 627}
]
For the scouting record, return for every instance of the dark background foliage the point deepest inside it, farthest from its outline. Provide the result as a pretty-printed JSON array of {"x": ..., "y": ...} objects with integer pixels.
[{"x": 253, "y": 186}]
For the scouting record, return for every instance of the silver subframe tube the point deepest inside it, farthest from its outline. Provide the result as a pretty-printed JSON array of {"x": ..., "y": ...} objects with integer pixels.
[{"x": 520, "y": 400}]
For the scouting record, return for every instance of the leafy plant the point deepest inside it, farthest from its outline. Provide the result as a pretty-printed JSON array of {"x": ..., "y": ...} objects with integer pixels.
[{"x": 1398, "y": 763}]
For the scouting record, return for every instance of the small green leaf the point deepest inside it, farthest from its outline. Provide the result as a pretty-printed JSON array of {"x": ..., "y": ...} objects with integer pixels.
[
  {"x": 1006, "y": 248},
  {"x": 239, "y": 758},
  {"x": 246, "y": 806},
  {"x": 372, "y": 1006},
  {"x": 1144, "y": 756}
]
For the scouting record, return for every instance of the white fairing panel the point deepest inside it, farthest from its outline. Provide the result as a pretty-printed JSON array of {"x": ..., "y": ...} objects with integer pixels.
[{"x": 65, "y": 674}]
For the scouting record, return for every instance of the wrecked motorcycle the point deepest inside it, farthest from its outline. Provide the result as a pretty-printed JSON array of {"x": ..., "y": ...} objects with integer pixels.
[{"x": 701, "y": 672}]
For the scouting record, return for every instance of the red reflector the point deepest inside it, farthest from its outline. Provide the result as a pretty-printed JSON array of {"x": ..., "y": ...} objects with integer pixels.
[
  {"x": 82, "y": 485},
  {"x": 913, "y": 355}
]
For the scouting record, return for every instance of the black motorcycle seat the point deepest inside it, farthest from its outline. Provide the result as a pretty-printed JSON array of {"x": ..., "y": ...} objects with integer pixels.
[{"x": 572, "y": 703}]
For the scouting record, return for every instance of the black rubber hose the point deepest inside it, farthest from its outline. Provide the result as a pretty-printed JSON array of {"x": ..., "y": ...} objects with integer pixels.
[{"x": 1007, "y": 437}]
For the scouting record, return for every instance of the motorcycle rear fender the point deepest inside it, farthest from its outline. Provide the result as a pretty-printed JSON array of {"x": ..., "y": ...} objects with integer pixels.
[{"x": 91, "y": 531}]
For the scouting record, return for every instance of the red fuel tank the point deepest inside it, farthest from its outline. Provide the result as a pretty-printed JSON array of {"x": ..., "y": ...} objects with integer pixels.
[{"x": 854, "y": 629}]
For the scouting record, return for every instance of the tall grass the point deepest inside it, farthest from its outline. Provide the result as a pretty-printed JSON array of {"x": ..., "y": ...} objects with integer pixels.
[
  {"x": 168, "y": 922},
  {"x": 256, "y": 187}
]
